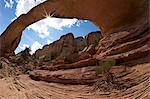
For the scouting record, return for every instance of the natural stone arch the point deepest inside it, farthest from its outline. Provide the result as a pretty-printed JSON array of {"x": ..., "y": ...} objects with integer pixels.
[{"x": 107, "y": 14}]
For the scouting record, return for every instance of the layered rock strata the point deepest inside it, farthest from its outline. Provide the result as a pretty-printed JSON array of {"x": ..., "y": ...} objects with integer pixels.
[{"x": 68, "y": 45}]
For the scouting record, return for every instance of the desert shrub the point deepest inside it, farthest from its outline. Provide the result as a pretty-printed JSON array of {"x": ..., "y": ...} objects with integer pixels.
[
  {"x": 104, "y": 66},
  {"x": 109, "y": 81}
]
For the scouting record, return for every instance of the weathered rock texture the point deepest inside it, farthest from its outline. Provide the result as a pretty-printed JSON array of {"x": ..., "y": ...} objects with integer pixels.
[
  {"x": 15, "y": 65},
  {"x": 79, "y": 44},
  {"x": 106, "y": 14},
  {"x": 77, "y": 57},
  {"x": 68, "y": 45},
  {"x": 135, "y": 80},
  {"x": 128, "y": 46},
  {"x": 62, "y": 47},
  {"x": 93, "y": 38},
  {"x": 131, "y": 43}
]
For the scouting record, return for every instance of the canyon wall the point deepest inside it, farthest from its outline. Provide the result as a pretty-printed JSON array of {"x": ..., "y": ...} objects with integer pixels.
[{"x": 67, "y": 45}]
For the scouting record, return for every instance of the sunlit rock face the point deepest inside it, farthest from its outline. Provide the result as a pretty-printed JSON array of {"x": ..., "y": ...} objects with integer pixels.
[
  {"x": 68, "y": 45},
  {"x": 61, "y": 47}
]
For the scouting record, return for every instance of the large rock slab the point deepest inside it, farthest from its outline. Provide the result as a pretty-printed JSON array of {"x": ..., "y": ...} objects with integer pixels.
[
  {"x": 85, "y": 75},
  {"x": 79, "y": 64}
]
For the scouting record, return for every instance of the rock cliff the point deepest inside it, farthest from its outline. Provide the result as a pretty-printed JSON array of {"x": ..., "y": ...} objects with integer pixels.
[
  {"x": 120, "y": 46},
  {"x": 128, "y": 46},
  {"x": 61, "y": 48},
  {"x": 68, "y": 45}
]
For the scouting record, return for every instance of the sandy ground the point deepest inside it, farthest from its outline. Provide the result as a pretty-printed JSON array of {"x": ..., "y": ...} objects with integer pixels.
[{"x": 23, "y": 87}]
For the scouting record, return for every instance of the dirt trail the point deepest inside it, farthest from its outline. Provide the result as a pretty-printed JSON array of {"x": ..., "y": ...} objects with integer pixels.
[{"x": 23, "y": 87}]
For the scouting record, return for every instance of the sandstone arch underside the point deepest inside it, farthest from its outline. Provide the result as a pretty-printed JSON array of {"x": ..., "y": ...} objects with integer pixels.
[{"x": 107, "y": 14}]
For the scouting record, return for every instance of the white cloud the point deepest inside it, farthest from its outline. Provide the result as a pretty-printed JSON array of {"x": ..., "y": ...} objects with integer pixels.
[
  {"x": 9, "y": 3},
  {"x": 49, "y": 41},
  {"x": 24, "y": 46},
  {"x": 36, "y": 45},
  {"x": 42, "y": 27},
  {"x": 23, "y": 6}
]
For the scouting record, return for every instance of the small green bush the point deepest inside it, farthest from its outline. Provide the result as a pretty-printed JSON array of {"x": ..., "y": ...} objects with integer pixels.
[{"x": 104, "y": 66}]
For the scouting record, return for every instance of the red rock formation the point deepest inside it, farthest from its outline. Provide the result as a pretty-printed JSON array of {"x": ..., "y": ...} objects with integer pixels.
[
  {"x": 93, "y": 38},
  {"x": 68, "y": 45},
  {"x": 79, "y": 44},
  {"x": 62, "y": 47},
  {"x": 77, "y": 57},
  {"x": 130, "y": 43},
  {"x": 85, "y": 75},
  {"x": 137, "y": 79},
  {"x": 125, "y": 44},
  {"x": 79, "y": 64}
]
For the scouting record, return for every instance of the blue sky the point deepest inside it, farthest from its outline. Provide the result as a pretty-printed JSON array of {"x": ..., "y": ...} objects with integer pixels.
[{"x": 44, "y": 31}]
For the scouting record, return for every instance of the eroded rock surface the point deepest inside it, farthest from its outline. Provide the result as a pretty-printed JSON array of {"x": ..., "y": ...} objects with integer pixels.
[
  {"x": 23, "y": 87},
  {"x": 129, "y": 47},
  {"x": 16, "y": 65},
  {"x": 62, "y": 47},
  {"x": 67, "y": 45}
]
